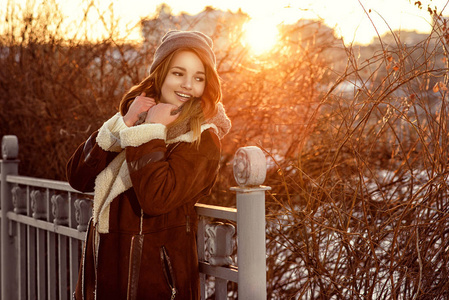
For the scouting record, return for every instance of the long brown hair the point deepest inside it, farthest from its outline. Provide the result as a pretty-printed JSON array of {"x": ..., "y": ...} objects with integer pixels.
[{"x": 197, "y": 114}]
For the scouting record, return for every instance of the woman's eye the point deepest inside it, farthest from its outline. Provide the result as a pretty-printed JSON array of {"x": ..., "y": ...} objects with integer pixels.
[
  {"x": 200, "y": 79},
  {"x": 177, "y": 73}
]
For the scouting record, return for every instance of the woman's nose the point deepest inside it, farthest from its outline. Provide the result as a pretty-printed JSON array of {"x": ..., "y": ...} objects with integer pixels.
[{"x": 187, "y": 84}]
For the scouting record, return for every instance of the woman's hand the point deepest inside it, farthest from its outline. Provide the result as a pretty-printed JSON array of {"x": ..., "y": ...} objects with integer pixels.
[
  {"x": 141, "y": 104},
  {"x": 162, "y": 114}
]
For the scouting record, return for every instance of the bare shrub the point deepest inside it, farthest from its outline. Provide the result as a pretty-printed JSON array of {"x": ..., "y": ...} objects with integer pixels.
[
  {"x": 56, "y": 91},
  {"x": 362, "y": 210}
]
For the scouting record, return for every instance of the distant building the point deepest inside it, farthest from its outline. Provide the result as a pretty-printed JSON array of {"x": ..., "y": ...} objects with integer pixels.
[
  {"x": 220, "y": 25},
  {"x": 402, "y": 37}
]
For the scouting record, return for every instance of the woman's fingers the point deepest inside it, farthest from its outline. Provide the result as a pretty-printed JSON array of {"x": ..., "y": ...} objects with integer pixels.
[
  {"x": 139, "y": 105},
  {"x": 162, "y": 113},
  {"x": 145, "y": 102}
]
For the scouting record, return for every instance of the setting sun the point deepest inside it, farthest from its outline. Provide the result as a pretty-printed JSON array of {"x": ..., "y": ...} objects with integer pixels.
[{"x": 260, "y": 35}]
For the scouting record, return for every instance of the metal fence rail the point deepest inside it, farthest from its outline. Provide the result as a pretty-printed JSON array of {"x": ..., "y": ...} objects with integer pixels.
[{"x": 43, "y": 224}]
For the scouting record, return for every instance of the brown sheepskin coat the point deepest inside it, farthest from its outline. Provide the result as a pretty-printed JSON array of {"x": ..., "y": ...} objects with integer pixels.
[{"x": 145, "y": 189}]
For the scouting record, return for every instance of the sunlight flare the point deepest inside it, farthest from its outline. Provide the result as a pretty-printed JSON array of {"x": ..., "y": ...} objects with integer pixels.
[{"x": 260, "y": 35}]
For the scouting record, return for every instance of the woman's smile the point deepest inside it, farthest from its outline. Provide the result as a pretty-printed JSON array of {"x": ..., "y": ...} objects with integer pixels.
[{"x": 183, "y": 96}]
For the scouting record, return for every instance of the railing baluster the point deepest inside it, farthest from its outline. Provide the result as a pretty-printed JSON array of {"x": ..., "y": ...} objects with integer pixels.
[
  {"x": 38, "y": 206},
  {"x": 40, "y": 255},
  {"x": 19, "y": 200},
  {"x": 52, "y": 287},
  {"x": 22, "y": 261},
  {"x": 221, "y": 289},
  {"x": 72, "y": 221},
  {"x": 60, "y": 209},
  {"x": 201, "y": 255},
  {"x": 20, "y": 207},
  {"x": 219, "y": 244},
  {"x": 62, "y": 262},
  {"x": 74, "y": 263},
  {"x": 31, "y": 251},
  {"x": 83, "y": 213},
  {"x": 73, "y": 246}
]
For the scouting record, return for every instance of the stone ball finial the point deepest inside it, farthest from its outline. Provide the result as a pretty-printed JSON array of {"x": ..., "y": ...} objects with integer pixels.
[
  {"x": 10, "y": 147},
  {"x": 250, "y": 166}
]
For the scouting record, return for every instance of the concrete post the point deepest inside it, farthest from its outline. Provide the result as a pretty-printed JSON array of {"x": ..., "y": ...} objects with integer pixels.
[
  {"x": 249, "y": 172},
  {"x": 9, "y": 166}
]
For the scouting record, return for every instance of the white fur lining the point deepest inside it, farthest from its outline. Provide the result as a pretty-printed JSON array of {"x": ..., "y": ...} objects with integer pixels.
[
  {"x": 141, "y": 134},
  {"x": 115, "y": 179},
  {"x": 111, "y": 182},
  {"x": 108, "y": 137}
]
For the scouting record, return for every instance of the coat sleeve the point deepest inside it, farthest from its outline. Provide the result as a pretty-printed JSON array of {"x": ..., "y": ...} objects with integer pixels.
[
  {"x": 92, "y": 156},
  {"x": 164, "y": 180}
]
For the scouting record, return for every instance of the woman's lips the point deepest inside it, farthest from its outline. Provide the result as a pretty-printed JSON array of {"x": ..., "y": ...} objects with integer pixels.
[{"x": 183, "y": 97}]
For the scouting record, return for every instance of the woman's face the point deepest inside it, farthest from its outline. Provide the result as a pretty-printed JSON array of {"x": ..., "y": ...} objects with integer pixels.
[{"x": 186, "y": 78}]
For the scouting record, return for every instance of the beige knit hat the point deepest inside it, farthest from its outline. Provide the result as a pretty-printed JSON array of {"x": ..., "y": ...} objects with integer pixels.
[{"x": 176, "y": 39}]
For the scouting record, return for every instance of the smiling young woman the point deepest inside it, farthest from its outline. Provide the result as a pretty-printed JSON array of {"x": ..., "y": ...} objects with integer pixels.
[
  {"x": 185, "y": 80},
  {"x": 141, "y": 243}
]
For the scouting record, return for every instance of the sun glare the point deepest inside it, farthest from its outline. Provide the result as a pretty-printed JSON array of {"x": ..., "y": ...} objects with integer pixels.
[{"x": 260, "y": 35}]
